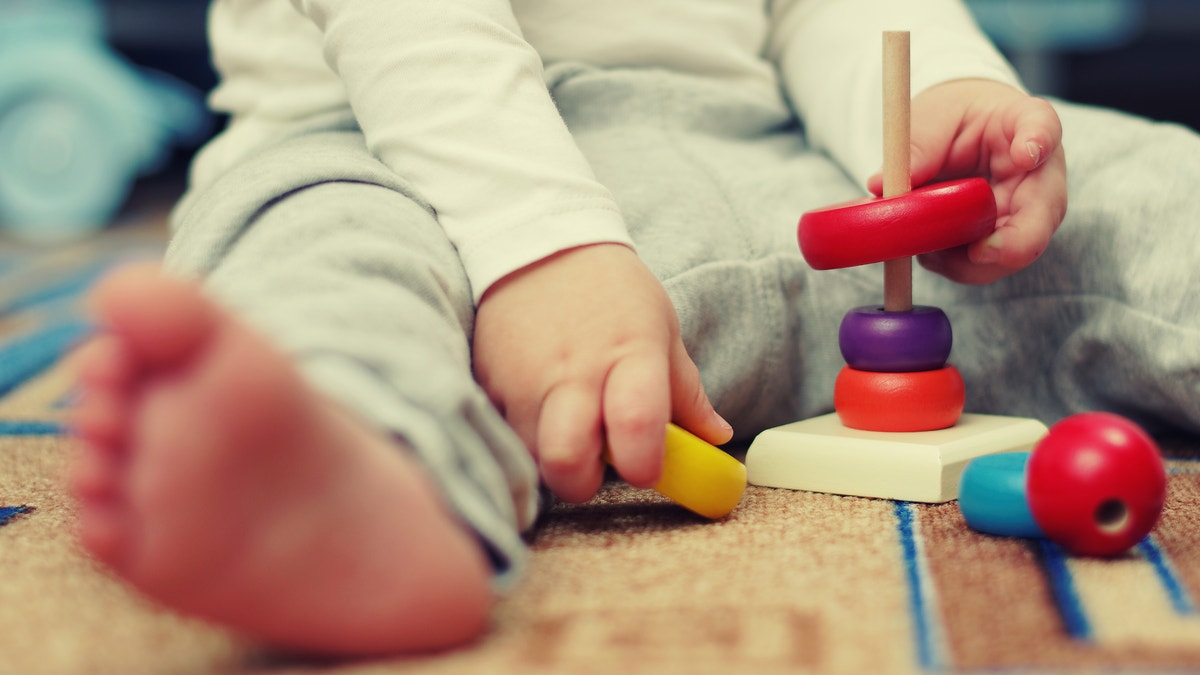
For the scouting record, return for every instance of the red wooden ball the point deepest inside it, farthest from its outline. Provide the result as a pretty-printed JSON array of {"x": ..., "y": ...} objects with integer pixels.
[
  {"x": 914, "y": 401},
  {"x": 1096, "y": 484},
  {"x": 875, "y": 229}
]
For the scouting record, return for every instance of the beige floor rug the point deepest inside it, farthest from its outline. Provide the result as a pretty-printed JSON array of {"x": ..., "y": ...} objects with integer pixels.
[{"x": 791, "y": 582}]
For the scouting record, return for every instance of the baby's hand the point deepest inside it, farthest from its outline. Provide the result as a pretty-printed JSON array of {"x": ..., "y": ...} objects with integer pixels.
[
  {"x": 581, "y": 351},
  {"x": 984, "y": 128}
]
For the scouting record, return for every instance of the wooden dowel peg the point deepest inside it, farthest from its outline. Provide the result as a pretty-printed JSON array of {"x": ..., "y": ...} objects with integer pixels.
[{"x": 897, "y": 172}]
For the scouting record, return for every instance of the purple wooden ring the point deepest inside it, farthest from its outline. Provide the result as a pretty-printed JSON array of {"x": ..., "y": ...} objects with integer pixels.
[{"x": 895, "y": 342}]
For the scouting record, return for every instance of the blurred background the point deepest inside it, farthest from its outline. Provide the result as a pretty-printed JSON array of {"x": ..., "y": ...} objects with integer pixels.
[{"x": 101, "y": 101}]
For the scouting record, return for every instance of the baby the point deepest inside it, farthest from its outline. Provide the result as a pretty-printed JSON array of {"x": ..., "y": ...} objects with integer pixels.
[{"x": 445, "y": 253}]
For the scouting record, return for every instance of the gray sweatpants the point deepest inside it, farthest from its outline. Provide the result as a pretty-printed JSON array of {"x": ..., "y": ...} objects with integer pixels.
[{"x": 343, "y": 267}]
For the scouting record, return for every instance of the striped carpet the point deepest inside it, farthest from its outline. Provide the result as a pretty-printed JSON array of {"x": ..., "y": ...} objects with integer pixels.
[{"x": 791, "y": 582}]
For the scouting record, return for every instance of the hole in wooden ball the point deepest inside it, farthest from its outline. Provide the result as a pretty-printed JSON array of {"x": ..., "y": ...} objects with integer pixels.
[{"x": 1112, "y": 516}]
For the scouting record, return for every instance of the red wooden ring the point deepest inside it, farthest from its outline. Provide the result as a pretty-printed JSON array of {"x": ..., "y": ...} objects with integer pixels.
[
  {"x": 915, "y": 401},
  {"x": 875, "y": 229}
]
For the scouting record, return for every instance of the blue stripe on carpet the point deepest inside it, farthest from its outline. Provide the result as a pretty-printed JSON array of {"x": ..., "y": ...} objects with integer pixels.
[
  {"x": 1181, "y": 600},
  {"x": 9, "y": 512},
  {"x": 928, "y": 633},
  {"x": 29, "y": 428},
  {"x": 27, "y": 357},
  {"x": 1062, "y": 588},
  {"x": 66, "y": 286}
]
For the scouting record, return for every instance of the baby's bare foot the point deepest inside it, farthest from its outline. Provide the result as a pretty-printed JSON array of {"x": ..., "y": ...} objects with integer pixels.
[{"x": 214, "y": 480}]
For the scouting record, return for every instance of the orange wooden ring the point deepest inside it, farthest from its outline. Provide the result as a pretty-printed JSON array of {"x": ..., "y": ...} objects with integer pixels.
[
  {"x": 915, "y": 401},
  {"x": 875, "y": 229}
]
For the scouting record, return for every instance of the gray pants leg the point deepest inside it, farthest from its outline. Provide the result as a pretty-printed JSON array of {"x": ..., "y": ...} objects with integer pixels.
[{"x": 326, "y": 252}]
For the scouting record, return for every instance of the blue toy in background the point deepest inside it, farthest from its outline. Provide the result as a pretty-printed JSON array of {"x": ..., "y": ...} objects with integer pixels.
[
  {"x": 78, "y": 123},
  {"x": 1036, "y": 33}
]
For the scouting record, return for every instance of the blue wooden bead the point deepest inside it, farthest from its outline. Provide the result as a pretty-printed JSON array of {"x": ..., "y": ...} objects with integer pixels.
[
  {"x": 876, "y": 340},
  {"x": 992, "y": 496}
]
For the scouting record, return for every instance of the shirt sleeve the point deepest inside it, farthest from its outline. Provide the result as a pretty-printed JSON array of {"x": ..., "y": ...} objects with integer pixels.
[
  {"x": 451, "y": 96},
  {"x": 829, "y": 54}
]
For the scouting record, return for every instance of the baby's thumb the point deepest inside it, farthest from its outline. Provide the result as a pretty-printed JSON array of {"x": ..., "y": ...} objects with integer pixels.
[
  {"x": 923, "y": 165},
  {"x": 690, "y": 406},
  {"x": 929, "y": 147}
]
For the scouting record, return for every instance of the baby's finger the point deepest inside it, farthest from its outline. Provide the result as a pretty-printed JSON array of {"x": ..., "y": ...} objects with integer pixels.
[
  {"x": 637, "y": 407},
  {"x": 690, "y": 405},
  {"x": 1036, "y": 134},
  {"x": 1036, "y": 207},
  {"x": 1009, "y": 248},
  {"x": 954, "y": 264},
  {"x": 569, "y": 443}
]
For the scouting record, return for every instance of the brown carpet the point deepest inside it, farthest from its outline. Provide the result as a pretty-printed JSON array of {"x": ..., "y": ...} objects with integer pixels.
[{"x": 791, "y": 582}]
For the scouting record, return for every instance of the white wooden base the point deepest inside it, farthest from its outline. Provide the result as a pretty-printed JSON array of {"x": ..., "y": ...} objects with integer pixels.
[{"x": 821, "y": 455}]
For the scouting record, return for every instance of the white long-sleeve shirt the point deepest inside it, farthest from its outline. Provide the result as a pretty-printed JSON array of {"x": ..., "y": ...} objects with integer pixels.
[{"x": 450, "y": 93}]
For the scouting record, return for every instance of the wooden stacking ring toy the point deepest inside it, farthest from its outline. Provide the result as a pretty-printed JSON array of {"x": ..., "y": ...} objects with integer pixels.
[
  {"x": 877, "y": 229},
  {"x": 872, "y": 338},
  {"x": 917, "y": 401}
]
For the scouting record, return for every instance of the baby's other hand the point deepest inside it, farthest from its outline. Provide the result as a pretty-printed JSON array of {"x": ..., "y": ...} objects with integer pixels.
[
  {"x": 984, "y": 128},
  {"x": 581, "y": 352}
]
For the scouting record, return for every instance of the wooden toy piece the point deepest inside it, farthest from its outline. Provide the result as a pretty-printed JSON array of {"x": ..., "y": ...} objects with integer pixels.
[
  {"x": 992, "y": 496},
  {"x": 887, "y": 455},
  {"x": 899, "y": 402},
  {"x": 700, "y": 477},
  {"x": 874, "y": 339},
  {"x": 822, "y": 455},
  {"x": 897, "y": 170},
  {"x": 1096, "y": 483},
  {"x": 877, "y": 229}
]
